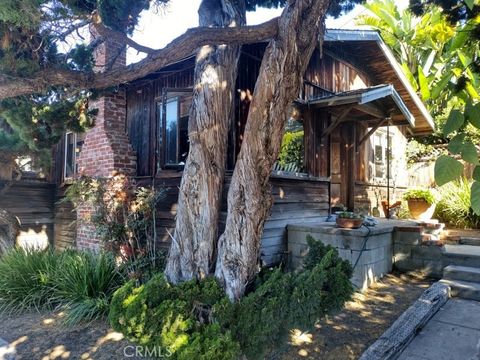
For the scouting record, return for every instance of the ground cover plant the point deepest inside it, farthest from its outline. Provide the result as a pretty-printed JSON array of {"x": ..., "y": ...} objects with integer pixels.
[
  {"x": 196, "y": 317},
  {"x": 79, "y": 282}
]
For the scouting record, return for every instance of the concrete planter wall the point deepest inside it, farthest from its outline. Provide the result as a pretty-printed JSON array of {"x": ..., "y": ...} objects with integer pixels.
[
  {"x": 373, "y": 262},
  {"x": 375, "y": 251}
]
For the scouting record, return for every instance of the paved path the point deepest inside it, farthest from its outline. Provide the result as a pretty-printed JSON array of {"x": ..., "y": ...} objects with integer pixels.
[{"x": 453, "y": 333}]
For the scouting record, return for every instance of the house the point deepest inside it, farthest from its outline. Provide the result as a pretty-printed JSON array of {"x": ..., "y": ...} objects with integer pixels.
[{"x": 351, "y": 121}]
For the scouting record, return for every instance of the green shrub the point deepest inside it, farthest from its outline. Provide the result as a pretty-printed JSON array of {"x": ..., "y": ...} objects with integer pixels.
[
  {"x": 82, "y": 283},
  {"x": 454, "y": 207},
  {"x": 291, "y": 151},
  {"x": 27, "y": 279},
  {"x": 177, "y": 318},
  {"x": 196, "y": 320},
  {"x": 416, "y": 194}
]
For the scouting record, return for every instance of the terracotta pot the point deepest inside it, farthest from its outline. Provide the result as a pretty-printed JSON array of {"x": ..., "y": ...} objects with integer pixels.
[
  {"x": 420, "y": 209},
  {"x": 349, "y": 223}
]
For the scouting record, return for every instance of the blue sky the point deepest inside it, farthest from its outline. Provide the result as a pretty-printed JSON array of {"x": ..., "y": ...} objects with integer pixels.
[{"x": 156, "y": 29}]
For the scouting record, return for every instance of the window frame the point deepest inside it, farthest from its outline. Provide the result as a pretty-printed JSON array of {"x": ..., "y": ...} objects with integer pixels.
[
  {"x": 385, "y": 144},
  {"x": 161, "y": 121},
  {"x": 74, "y": 155}
]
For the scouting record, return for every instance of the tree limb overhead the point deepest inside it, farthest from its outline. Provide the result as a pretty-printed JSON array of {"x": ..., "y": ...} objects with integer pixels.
[{"x": 179, "y": 49}]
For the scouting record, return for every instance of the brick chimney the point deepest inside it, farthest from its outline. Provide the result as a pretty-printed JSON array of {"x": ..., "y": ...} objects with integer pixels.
[{"x": 106, "y": 149}]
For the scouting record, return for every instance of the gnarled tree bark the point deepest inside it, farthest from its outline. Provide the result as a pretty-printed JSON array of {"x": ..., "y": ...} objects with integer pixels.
[
  {"x": 249, "y": 196},
  {"x": 196, "y": 231}
]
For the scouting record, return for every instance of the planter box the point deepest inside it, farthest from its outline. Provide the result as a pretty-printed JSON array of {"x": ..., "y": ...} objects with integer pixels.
[{"x": 346, "y": 223}]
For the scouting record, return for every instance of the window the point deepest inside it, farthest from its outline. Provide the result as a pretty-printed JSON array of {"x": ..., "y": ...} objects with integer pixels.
[
  {"x": 173, "y": 134},
  {"x": 73, "y": 147},
  {"x": 291, "y": 157},
  {"x": 381, "y": 152}
]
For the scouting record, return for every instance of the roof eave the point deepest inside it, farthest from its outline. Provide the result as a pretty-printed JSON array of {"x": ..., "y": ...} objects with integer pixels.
[
  {"x": 396, "y": 67},
  {"x": 372, "y": 35}
]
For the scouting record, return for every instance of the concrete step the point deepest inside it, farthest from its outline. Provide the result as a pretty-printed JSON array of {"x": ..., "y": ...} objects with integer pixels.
[
  {"x": 463, "y": 289},
  {"x": 462, "y": 255},
  {"x": 460, "y": 240},
  {"x": 462, "y": 273}
]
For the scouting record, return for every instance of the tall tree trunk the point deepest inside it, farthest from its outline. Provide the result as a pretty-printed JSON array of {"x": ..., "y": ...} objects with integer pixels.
[
  {"x": 249, "y": 196},
  {"x": 196, "y": 231}
]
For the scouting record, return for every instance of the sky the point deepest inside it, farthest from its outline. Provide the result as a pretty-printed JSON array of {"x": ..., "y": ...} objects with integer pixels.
[{"x": 157, "y": 28}]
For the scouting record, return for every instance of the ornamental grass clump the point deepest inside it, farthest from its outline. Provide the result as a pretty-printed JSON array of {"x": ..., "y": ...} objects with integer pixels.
[
  {"x": 79, "y": 282},
  {"x": 85, "y": 283},
  {"x": 454, "y": 207},
  {"x": 196, "y": 319},
  {"x": 27, "y": 279}
]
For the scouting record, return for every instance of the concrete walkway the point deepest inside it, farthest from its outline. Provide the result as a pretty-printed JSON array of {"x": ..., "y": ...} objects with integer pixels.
[{"x": 453, "y": 333}]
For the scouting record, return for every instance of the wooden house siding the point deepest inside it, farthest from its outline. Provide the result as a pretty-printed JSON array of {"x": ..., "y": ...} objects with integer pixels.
[
  {"x": 323, "y": 74},
  {"x": 332, "y": 74},
  {"x": 294, "y": 201},
  {"x": 32, "y": 202},
  {"x": 142, "y": 121},
  {"x": 65, "y": 218}
]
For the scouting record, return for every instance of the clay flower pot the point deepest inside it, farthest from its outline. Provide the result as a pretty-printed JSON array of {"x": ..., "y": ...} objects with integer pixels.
[
  {"x": 420, "y": 209},
  {"x": 347, "y": 223}
]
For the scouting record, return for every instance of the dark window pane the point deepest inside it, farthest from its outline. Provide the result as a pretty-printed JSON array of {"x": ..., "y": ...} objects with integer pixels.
[{"x": 69, "y": 155}]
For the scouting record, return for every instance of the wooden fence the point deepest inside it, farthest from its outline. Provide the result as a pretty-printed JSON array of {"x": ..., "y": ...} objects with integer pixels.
[{"x": 32, "y": 202}]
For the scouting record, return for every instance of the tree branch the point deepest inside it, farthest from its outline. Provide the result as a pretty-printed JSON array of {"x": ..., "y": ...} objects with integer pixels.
[
  {"x": 179, "y": 49},
  {"x": 106, "y": 33}
]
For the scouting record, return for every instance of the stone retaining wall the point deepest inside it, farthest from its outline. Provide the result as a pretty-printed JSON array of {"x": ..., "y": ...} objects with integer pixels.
[{"x": 413, "y": 251}]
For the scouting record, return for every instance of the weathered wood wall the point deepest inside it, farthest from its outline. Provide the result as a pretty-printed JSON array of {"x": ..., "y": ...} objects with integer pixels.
[
  {"x": 329, "y": 73},
  {"x": 33, "y": 203},
  {"x": 295, "y": 201},
  {"x": 65, "y": 221}
]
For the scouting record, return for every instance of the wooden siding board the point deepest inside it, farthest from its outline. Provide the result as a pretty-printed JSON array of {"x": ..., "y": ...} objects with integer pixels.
[{"x": 32, "y": 202}]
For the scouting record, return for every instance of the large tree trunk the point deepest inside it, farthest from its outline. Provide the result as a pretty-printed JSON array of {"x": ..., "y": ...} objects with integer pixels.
[
  {"x": 249, "y": 196},
  {"x": 196, "y": 231}
]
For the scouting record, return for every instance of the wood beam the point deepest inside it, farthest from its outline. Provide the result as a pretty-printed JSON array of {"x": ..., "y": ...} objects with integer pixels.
[
  {"x": 372, "y": 110},
  {"x": 370, "y": 133},
  {"x": 342, "y": 117}
]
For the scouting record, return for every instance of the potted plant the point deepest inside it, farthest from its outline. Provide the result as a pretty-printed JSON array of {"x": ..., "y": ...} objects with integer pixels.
[
  {"x": 421, "y": 203},
  {"x": 349, "y": 220}
]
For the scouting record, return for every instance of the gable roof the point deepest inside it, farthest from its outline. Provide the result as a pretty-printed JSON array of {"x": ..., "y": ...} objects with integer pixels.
[
  {"x": 380, "y": 94},
  {"x": 379, "y": 62}
]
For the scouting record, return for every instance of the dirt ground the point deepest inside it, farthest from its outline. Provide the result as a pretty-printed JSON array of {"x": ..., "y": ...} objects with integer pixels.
[
  {"x": 343, "y": 336},
  {"x": 363, "y": 320},
  {"x": 42, "y": 336}
]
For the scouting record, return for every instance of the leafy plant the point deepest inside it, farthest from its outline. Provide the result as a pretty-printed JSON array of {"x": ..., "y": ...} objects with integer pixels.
[
  {"x": 349, "y": 215},
  {"x": 454, "y": 207},
  {"x": 292, "y": 149},
  {"x": 124, "y": 219},
  {"x": 420, "y": 194}
]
